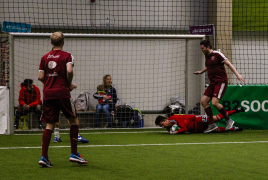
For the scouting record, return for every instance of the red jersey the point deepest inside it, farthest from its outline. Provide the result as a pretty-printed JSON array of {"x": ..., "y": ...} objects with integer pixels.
[
  {"x": 54, "y": 65},
  {"x": 215, "y": 68},
  {"x": 31, "y": 98},
  {"x": 190, "y": 123},
  {"x": 101, "y": 101}
]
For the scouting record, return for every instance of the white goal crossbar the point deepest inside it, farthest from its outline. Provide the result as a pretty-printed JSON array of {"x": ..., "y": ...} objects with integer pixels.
[{"x": 187, "y": 54}]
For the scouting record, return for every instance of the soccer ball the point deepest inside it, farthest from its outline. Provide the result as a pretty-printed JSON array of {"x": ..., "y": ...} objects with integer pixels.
[{"x": 175, "y": 128}]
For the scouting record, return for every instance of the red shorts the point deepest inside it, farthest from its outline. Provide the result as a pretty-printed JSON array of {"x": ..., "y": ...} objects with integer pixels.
[
  {"x": 201, "y": 123},
  {"x": 216, "y": 90},
  {"x": 52, "y": 108}
]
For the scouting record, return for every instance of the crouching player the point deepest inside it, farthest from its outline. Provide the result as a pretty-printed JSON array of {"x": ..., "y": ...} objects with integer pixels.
[{"x": 193, "y": 123}]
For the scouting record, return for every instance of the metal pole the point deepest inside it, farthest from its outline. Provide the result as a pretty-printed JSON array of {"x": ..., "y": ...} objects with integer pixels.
[{"x": 11, "y": 85}]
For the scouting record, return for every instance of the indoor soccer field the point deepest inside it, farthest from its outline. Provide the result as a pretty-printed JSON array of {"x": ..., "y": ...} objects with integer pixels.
[
  {"x": 139, "y": 154},
  {"x": 151, "y": 50}
]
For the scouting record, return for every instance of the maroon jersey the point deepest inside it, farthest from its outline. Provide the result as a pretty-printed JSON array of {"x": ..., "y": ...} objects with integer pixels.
[
  {"x": 215, "y": 67},
  {"x": 54, "y": 65},
  {"x": 190, "y": 123}
]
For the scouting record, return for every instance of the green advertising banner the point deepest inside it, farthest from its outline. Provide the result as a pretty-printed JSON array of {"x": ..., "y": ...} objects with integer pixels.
[{"x": 254, "y": 98}]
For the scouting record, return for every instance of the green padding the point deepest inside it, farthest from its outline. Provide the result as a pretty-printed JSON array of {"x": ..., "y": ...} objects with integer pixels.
[
  {"x": 254, "y": 98},
  {"x": 138, "y": 110}
]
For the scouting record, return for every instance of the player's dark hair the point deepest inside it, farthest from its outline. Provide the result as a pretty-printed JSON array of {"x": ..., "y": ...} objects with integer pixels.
[
  {"x": 206, "y": 43},
  {"x": 27, "y": 82},
  {"x": 159, "y": 119},
  {"x": 57, "y": 38}
]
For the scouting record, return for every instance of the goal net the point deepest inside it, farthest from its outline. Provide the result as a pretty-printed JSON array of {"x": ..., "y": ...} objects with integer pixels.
[{"x": 147, "y": 70}]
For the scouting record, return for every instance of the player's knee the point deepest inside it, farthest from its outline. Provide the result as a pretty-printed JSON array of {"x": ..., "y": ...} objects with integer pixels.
[
  {"x": 203, "y": 103},
  {"x": 215, "y": 104},
  {"x": 73, "y": 121},
  {"x": 38, "y": 107}
]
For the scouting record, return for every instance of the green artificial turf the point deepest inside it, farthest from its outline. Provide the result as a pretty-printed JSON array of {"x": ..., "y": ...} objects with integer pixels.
[{"x": 140, "y": 154}]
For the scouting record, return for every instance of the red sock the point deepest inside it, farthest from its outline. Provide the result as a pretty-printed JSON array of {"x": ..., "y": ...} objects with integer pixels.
[
  {"x": 74, "y": 138},
  {"x": 45, "y": 142},
  {"x": 209, "y": 113},
  {"x": 224, "y": 113},
  {"x": 220, "y": 116},
  {"x": 221, "y": 129}
]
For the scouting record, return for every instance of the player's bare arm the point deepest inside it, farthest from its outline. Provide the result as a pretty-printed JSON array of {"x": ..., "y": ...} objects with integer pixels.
[
  {"x": 229, "y": 64},
  {"x": 201, "y": 72},
  {"x": 41, "y": 76},
  {"x": 70, "y": 76}
]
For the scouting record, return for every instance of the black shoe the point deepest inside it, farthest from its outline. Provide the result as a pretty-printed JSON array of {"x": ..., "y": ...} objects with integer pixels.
[
  {"x": 41, "y": 127},
  {"x": 16, "y": 126},
  {"x": 238, "y": 128},
  {"x": 241, "y": 109}
]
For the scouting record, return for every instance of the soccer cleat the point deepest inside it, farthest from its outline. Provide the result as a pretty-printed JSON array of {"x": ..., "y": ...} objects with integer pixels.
[
  {"x": 82, "y": 140},
  {"x": 238, "y": 128},
  {"x": 45, "y": 162},
  {"x": 78, "y": 159},
  {"x": 241, "y": 109},
  {"x": 56, "y": 139},
  {"x": 211, "y": 127},
  {"x": 229, "y": 124},
  {"x": 41, "y": 127}
]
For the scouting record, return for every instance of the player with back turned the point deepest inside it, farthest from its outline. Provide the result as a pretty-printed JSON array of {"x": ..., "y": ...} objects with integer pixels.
[
  {"x": 215, "y": 61},
  {"x": 56, "y": 73}
]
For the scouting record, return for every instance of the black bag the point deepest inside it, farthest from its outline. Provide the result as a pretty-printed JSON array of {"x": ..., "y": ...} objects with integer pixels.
[
  {"x": 124, "y": 115},
  {"x": 173, "y": 109}
]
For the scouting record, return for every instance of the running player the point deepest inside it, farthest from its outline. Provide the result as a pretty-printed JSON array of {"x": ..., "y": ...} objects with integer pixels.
[{"x": 215, "y": 61}]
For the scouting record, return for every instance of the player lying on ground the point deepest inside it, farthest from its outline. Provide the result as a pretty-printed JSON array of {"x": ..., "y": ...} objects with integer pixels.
[{"x": 193, "y": 123}]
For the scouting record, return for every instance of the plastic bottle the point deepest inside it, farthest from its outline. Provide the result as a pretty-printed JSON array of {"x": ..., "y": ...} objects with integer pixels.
[
  {"x": 132, "y": 104},
  {"x": 107, "y": 22}
]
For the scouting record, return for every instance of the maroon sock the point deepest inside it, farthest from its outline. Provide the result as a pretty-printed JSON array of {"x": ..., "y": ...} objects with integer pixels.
[
  {"x": 74, "y": 138},
  {"x": 224, "y": 113},
  {"x": 45, "y": 142},
  {"x": 209, "y": 113}
]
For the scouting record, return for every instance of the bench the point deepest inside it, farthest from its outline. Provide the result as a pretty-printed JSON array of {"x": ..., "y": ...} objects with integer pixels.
[{"x": 87, "y": 119}]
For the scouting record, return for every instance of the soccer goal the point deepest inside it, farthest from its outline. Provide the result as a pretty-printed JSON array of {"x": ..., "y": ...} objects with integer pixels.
[{"x": 146, "y": 69}]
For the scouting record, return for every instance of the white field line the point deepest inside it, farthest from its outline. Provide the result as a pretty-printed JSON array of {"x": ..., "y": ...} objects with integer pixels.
[
  {"x": 102, "y": 133},
  {"x": 127, "y": 145}
]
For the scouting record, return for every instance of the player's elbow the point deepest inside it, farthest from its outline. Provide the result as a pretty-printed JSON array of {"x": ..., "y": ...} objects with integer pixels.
[{"x": 70, "y": 71}]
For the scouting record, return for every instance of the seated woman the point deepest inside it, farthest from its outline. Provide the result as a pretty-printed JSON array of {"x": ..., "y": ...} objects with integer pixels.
[{"x": 107, "y": 99}]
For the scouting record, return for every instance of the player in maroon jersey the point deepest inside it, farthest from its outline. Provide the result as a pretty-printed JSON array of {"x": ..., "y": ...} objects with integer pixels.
[
  {"x": 215, "y": 61},
  {"x": 194, "y": 123},
  {"x": 56, "y": 73}
]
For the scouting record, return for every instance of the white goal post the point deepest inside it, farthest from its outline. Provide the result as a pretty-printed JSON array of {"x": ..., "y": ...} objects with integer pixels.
[{"x": 145, "y": 68}]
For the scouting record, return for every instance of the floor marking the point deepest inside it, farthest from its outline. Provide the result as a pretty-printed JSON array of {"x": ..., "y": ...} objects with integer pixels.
[
  {"x": 127, "y": 145},
  {"x": 102, "y": 133}
]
